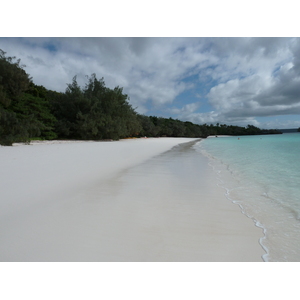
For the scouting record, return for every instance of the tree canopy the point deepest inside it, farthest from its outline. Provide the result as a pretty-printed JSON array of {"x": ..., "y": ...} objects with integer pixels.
[{"x": 94, "y": 112}]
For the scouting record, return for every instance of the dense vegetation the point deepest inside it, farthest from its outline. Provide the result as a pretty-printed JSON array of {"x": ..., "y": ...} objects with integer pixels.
[
  {"x": 299, "y": 129},
  {"x": 95, "y": 112}
]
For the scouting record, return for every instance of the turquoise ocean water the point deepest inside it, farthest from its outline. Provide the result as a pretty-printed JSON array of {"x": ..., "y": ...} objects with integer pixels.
[{"x": 262, "y": 175}]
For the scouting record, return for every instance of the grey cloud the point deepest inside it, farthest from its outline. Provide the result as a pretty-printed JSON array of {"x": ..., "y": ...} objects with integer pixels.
[
  {"x": 282, "y": 93},
  {"x": 247, "y": 47},
  {"x": 36, "y": 61}
]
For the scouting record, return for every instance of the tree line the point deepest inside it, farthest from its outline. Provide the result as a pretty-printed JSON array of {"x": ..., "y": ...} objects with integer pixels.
[{"x": 93, "y": 112}]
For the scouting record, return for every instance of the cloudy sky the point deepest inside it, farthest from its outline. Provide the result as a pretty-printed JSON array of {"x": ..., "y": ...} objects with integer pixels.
[{"x": 203, "y": 80}]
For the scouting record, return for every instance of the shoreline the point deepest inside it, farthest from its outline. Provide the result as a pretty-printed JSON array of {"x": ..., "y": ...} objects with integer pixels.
[
  {"x": 233, "y": 201},
  {"x": 131, "y": 200},
  {"x": 251, "y": 171}
]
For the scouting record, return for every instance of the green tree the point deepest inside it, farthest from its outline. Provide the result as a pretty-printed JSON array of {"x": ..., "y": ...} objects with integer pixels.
[
  {"x": 16, "y": 124},
  {"x": 36, "y": 112},
  {"x": 24, "y": 108},
  {"x": 147, "y": 126},
  {"x": 11, "y": 129},
  {"x": 94, "y": 112},
  {"x": 13, "y": 79}
]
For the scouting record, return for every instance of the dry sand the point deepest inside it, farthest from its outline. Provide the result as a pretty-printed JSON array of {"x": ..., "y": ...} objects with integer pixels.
[{"x": 131, "y": 200}]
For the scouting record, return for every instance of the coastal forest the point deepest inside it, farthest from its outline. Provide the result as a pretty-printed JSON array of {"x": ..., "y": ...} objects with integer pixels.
[{"x": 93, "y": 112}]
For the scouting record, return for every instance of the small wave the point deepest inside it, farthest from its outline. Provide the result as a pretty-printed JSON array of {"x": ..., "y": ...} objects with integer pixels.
[{"x": 265, "y": 256}]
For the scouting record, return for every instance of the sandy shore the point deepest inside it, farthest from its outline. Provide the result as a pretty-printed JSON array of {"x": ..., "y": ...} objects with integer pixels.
[{"x": 131, "y": 200}]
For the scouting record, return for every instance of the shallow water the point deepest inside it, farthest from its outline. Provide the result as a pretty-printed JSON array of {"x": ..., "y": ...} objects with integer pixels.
[{"x": 262, "y": 175}]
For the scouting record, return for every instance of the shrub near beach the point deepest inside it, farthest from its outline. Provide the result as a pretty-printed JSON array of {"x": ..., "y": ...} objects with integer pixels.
[{"x": 24, "y": 114}]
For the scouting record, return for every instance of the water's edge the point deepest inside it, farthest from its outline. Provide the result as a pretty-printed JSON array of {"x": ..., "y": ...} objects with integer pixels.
[{"x": 227, "y": 195}]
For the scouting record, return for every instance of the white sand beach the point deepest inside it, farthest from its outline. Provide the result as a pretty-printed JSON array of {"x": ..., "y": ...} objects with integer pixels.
[{"x": 129, "y": 200}]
